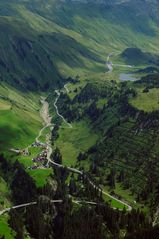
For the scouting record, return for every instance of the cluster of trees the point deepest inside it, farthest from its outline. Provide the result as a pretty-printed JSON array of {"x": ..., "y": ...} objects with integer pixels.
[
  {"x": 85, "y": 221},
  {"x": 54, "y": 133},
  {"x": 127, "y": 146},
  {"x": 149, "y": 81},
  {"x": 119, "y": 156},
  {"x": 127, "y": 140},
  {"x": 84, "y": 103},
  {"x": 92, "y": 92},
  {"x": 93, "y": 111},
  {"x": 23, "y": 188},
  {"x": 67, "y": 220}
]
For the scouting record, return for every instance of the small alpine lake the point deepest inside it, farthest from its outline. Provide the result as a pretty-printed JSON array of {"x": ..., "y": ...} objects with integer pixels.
[{"x": 127, "y": 77}]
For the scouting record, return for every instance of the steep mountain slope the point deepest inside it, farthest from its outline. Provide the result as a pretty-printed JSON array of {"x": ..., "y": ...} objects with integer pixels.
[
  {"x": 124, "y": 159},
  {"x": 135, "y": 56},
  {"x": 31, "y": 46},
  {"x": 105, "y": 128},
  {"x": 61, "y": 38},
  {"x": 103, "y": 23}
]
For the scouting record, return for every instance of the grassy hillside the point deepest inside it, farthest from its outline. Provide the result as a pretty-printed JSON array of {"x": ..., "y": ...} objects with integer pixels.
[
  {"x": 5, "y": 202},
  {"x": 45, "y": 41},
  {"x": 124, "y": 159},
  {"x": 39, "y": 50},
  {"x": 147, "y": 96},
  {"x": 114, "y": 134},
  {"x": 146, "y": 101},
  {"x": 103, "y": 27},
  {"x": 20, "y": 120},
  {"x": 73, "y": 141},
  {"x": 5, "y": 230},
  {"x": 20, "y": 123}
]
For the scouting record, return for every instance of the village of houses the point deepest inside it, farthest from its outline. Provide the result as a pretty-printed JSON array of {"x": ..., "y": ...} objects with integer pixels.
[{"x": 40, "y": 161}]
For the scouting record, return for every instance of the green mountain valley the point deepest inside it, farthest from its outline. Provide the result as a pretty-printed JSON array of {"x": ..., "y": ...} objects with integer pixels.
[{"x": 79, "y": 119}]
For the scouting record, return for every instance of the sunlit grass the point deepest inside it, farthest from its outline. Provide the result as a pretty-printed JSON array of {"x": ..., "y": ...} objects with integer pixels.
[
  {"x": 146, "y": 101},
  {"x": 5, "y": 230},
  {"x": 74, "y": 140}
]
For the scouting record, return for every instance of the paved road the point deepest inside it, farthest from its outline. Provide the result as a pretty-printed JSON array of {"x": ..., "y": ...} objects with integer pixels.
[
  {"x": 66, "y": 88},
  {"x": 74, "y": 170},
  {"x": 44, "y": 113},
  {"x": 52, "y": 201},
  {"x": 57, "y": 111},
  {"x": 40, "y": 132},
  {"x": 110, "y": 69},
  {"x": 25, "y": 205},
  {"x": 127, "y": 66},
  {"x": 110, "y": 64},
  {"x": 47, "y": 123},
  {"x": 129, "y": 208}
]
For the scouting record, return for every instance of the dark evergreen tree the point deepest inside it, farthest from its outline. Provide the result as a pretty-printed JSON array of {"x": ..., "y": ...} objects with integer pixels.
[
  {"x": 22, "y": 186},
  {"x": 72, "y": 185},
  {"x": 16, "y": 223},
  {"x": 57, "y": 157}
]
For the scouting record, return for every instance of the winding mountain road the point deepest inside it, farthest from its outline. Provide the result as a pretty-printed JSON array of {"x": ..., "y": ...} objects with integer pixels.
[
  {"x": 73, "y": 170},
  {"x": 56, "y": 107},
  {"x": 44, "y": 113},
  {"x": 47, "y": 123},
  {"x": 16, "y": 207},
  {"x": 110, "y": 64},
  {"x": 52, "y": 201},
  {"x": 66, "y": 88}
]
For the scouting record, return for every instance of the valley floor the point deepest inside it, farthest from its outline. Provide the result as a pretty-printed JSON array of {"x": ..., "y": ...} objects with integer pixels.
[{"x": 26, "y": 127}]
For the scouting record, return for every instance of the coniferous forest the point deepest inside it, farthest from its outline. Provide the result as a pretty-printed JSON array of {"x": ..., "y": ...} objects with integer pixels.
[{"x": 79, "y": 119}]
